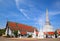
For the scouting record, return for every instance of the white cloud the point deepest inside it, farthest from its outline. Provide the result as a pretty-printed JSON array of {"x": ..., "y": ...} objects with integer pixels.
[
  {"x": 41, "y": 20},
  {"x": 17, "y": 5},
  {"x": 22, "y": 10},
  {"x": 18, "y": 2},
  {"x": 30, "y": 5},
  {"x": 54, "y": 13}
]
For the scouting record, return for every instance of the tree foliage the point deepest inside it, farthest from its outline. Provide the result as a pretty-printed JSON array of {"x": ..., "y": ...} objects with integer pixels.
[
  {"x": 2, "y": 31},
  {"x": 15, "y": 33},
  {"x": 56, "y": 34}
]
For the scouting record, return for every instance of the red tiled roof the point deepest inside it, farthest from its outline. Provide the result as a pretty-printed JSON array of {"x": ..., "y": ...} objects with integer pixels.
[
  {"x": 21, "y": 27},
  {"x": 23, "y": 32},
  {"x": 12, "y": 26},
  {"x": 50, "y": 33},
  {"x": 58, "y": 31}
]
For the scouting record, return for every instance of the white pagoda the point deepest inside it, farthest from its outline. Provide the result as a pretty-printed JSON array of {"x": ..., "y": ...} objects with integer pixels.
[{"x": 47, "y": 27}]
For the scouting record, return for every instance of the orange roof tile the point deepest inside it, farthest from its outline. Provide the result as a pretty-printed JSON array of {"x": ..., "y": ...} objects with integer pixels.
[
  {"x": 21, "y": 27},
  {"x": 23, "y": 32},
  {"x": 58, "y": 31},
  {"x": 50, "y": 33}
]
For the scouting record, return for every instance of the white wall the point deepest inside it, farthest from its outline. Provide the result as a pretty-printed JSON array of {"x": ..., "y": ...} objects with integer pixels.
[{"x": 9, "y": 33}]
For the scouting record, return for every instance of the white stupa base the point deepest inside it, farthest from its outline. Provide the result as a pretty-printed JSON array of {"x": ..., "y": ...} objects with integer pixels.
[
  {"x": 40, "y": 37},
  {"x": 41, "y": 34}
]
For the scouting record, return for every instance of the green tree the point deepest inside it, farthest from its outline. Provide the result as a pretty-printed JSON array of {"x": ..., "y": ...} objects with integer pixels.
[
  {"x": 2, "y": 31},
  {"x": 56, "y": 34},
  {"x": 15, "y": 33}
]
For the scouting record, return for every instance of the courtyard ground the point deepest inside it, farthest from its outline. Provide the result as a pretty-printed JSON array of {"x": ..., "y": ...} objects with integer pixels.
[{"x": 28, "y": 39}]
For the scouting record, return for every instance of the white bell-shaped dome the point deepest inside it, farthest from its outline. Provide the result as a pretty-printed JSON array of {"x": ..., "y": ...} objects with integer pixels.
[{"x": 48, "y": 28}]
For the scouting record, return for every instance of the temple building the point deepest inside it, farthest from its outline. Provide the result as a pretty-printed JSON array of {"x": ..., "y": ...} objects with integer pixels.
[
  {"x": 22, "y": 29},
  {"x": 29, "y": 31},
  {"x": 57, "y": 33}
]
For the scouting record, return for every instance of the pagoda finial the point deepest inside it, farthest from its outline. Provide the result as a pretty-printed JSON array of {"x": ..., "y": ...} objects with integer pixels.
[{"x": 47, "y": 18}]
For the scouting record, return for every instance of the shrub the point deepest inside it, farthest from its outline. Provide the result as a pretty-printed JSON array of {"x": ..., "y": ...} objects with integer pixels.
[
  {"x": 29, "y": 36},
  {"x": 15, "y": 33},
  {"x": 2, "y": 31}
]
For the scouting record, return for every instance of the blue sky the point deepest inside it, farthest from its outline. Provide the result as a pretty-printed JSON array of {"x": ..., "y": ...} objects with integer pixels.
[{"x": 30, "y": 12}]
